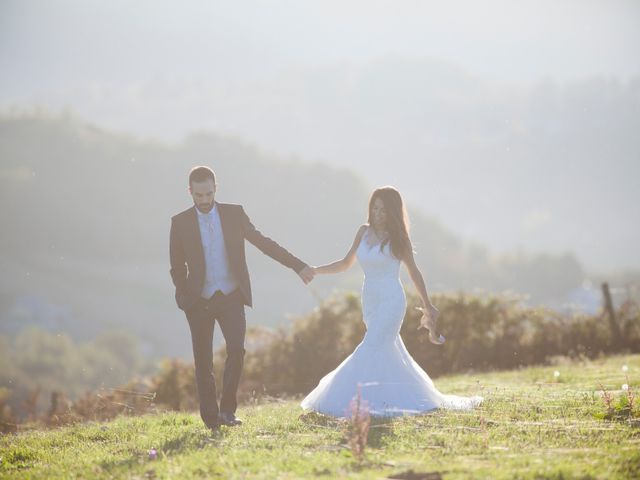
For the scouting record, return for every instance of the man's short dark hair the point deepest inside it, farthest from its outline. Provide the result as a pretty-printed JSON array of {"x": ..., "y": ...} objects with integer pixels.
[{"x": 201, "y": 174}]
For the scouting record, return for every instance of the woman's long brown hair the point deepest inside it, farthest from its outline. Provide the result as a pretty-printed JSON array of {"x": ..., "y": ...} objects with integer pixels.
[{"x": 396, "y": 219}]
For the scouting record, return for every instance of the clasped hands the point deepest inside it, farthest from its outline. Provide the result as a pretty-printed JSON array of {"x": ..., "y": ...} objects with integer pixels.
[{"x": 307, "y": 274}]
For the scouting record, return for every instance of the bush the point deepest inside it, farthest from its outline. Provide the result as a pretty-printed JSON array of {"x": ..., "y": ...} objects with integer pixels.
[
  {"x": 483, "y": 333},
  {"x": 37, "y": 363}
]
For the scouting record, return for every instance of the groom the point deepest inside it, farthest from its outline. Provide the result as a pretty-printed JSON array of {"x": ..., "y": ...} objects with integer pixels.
[{"x": 209, "y": 271}]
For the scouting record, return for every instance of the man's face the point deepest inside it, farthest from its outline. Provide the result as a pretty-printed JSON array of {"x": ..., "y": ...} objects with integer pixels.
[{"x": 203, "y": 194}]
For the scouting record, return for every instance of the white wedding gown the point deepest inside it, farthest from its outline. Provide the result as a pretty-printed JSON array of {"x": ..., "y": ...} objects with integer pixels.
[{"x": 391, "y": 382}]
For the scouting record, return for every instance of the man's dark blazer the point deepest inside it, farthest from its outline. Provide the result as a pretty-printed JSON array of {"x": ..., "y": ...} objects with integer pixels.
[{"x": 187, "y": 256}]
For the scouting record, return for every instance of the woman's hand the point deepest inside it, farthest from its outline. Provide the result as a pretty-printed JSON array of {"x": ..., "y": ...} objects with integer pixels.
[{"x": 429, "y": 316}]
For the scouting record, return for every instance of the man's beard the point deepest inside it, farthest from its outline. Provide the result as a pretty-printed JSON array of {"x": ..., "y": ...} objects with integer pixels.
[{"x": 205, "y": 207}]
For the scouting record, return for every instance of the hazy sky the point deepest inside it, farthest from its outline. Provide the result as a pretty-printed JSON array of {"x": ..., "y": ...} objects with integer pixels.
[
  {"x": 163, "y": 69},
  {"x": 120, "y": 40}
]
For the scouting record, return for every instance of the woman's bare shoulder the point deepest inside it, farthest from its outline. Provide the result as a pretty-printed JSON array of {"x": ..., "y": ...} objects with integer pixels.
[{"x": 360, "y": 233}]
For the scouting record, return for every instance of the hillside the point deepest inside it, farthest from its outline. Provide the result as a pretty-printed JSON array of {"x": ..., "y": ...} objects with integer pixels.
[
  {"x": 85, "y": 215},
  {"x": 534, "y": 424}
]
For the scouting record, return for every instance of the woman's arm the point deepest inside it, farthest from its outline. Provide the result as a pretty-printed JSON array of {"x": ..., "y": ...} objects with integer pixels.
[
  {"x": 428, "y": 309},
  {"x": 348, "y": 260}
]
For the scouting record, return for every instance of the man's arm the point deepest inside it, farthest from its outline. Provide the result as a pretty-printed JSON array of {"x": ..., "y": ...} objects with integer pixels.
[
  {"x": 273, "y": 249},
  {"x": 177, "y": 258}
]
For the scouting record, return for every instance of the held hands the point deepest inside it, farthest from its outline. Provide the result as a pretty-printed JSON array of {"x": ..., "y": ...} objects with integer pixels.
[
  {"x": 307, "y": 274},
  {"x": 429, "y": 316}
]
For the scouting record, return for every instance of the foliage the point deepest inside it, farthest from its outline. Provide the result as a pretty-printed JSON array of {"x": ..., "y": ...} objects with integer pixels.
[
  {"x": 619, "y": 407},
  {"x": 37, "y": 364},
  {"x": 357, "y": 427}
]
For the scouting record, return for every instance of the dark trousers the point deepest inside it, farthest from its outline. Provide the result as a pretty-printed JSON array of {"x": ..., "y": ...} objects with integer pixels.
[{"x": 228, "y": 310}]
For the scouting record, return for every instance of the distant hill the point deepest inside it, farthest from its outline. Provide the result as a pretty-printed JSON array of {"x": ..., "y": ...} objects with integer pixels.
[
  {"x": 85, "y": 219},
  {"x": 550, "y": 166}
]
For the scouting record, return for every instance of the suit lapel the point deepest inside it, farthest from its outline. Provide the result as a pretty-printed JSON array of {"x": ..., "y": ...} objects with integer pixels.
[{"x": 195, "y": 240}]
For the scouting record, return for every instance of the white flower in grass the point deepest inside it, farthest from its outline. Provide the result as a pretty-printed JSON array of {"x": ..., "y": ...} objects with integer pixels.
[
  {"x": 625, "y": 387},
  {"x": 556, "y": 374},
  {"x": 625, "y": 369}
]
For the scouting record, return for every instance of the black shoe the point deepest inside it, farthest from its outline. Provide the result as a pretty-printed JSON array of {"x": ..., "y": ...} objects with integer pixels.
[{"x": 229, "y": 419}]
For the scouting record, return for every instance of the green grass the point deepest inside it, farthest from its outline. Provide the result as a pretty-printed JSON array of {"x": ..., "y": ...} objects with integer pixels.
[{"x": 532, "y": 425}]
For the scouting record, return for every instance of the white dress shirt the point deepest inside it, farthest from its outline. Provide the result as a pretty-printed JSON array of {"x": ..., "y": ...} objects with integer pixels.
[{"x": 218, "y": 275}]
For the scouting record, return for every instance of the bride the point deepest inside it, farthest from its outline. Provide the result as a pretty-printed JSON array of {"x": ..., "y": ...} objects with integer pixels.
[{"x": 390, "y": 381}]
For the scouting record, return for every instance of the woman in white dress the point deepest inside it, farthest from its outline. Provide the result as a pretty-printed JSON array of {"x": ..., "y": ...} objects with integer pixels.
[{"x": 390, "y": 381}]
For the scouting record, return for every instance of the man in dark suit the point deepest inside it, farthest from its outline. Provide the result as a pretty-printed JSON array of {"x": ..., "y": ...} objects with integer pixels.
[{"x": 209, "y": 271}]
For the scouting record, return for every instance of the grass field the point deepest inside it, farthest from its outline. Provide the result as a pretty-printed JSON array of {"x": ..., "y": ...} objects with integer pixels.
[{"x": 533, "y": 424}]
